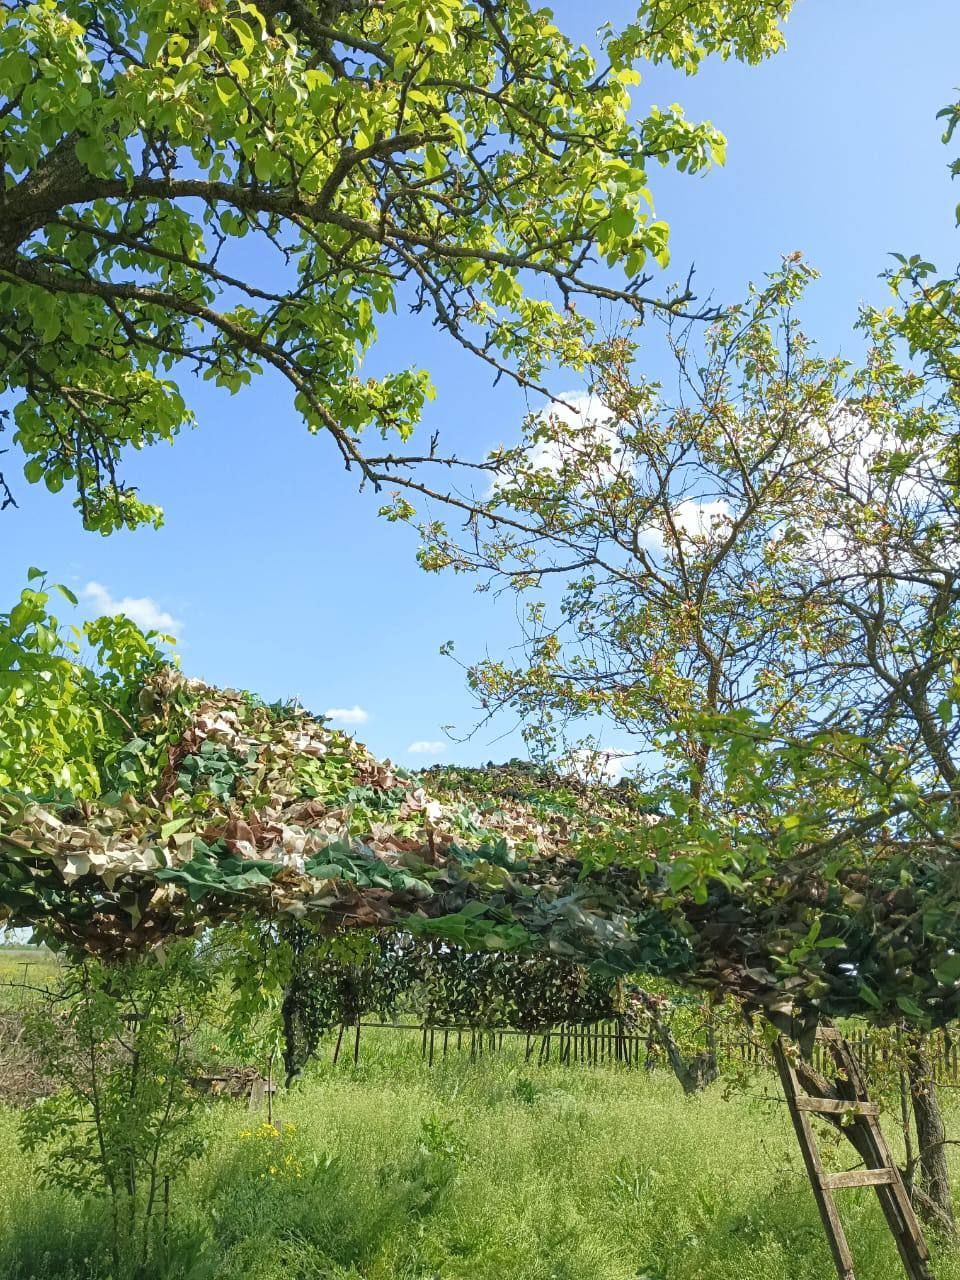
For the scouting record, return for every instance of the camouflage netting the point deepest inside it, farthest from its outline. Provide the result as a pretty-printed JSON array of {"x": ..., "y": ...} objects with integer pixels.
[
  {"x": 231, "y": 807},
  {"x": 242, "y": 807}
]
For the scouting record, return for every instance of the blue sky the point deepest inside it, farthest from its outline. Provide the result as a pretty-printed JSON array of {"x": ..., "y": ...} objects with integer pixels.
[{"x": 280, "y": 576}]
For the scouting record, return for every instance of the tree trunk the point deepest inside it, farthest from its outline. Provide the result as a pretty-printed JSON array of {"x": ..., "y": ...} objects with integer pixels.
[
  {"x": 694, "y": 1073},
  {"x": 934, "y": 1178}
]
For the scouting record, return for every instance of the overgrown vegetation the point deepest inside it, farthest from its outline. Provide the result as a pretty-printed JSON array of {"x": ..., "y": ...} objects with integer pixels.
[
  {"x": 119, "y": 1045},
  {"x": 392, "y": 1171},
  {"x": 758, "y": 581}
]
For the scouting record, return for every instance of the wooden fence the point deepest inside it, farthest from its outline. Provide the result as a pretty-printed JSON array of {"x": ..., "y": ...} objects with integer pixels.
[{"x": 614, "y": 1044}]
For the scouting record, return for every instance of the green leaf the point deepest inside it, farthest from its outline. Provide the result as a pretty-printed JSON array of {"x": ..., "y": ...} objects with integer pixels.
[
  {"x": 16, "y": 69},
  {"x": 91, "y": 153},
  {"x": 177, "y": 824},
  {"x": 623, "y": 221},
  {"x": 264, "y": 164},
  {"x": 226, "y": 90},
  {"x": 869, "y": 996},
  {"x": 910, "y": 1006},
  {"x": 244, "y": 34}
]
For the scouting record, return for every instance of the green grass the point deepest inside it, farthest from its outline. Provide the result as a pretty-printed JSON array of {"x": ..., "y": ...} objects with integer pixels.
[
  {"x": 485, "y": 1171},
  {"x": 34, "y": 966}
]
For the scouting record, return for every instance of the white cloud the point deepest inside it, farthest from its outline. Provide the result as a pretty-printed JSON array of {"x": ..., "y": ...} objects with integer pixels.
[
  {"x": 592, "y": 444},
  {"x": 694, "y": 521},
  {"x": 422, "y": 748},
  {"x": 587, "y": 416},
  {"x": 854, "y": 463},
  {"x": 596, "y": 764},
  {"x": 589, "y": 424},
  {"x": 142, "y": 610},
  {"x": 701, "y": 519},
  {"x": 348, "y": 715}
]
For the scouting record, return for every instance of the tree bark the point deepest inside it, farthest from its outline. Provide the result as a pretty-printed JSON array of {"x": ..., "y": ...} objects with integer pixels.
[
  {"x": 694, "y": 1073},
  {"x": 934, "y": 1178}
]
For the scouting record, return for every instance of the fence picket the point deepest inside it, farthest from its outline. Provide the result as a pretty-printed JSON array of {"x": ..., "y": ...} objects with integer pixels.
[{"x": 608, "y": 1042}]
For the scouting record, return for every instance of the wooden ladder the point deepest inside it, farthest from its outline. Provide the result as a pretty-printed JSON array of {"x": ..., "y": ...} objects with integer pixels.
[{"x": 882, "y": 1172}]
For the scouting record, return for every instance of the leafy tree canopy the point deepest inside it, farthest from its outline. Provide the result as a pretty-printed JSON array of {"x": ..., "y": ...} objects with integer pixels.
[
  {"x": 67, "y": 694},
  {"x": 757, "y": 578},
  {"x": 222, "y": 187},
  {"x": 775, "y": 542},
  {"x": 929, "y": 313}
]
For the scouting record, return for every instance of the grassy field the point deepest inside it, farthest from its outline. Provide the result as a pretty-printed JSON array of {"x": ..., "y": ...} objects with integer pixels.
[
  {"x": 485, "y": 1171},
  {"x": 31, "y": 965}
]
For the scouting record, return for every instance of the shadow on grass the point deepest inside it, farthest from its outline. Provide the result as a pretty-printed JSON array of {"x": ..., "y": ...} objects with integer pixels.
[{"x": 47, "y": 1237}]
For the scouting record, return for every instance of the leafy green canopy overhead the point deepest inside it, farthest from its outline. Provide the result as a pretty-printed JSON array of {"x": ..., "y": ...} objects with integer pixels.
[
  {"x": 227, "y": 188},
  {"x": 225, "y": 807},
  {"x": 928, "y": 311}
]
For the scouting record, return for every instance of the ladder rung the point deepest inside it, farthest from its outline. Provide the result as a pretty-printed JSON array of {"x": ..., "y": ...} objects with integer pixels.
[
  {"x": 837, "y": 1106},
  {"x": 858, "y": 1178}
]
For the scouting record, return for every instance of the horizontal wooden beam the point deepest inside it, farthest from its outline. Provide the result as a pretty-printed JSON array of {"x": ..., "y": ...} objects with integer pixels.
[
  {"x": 858, "y": 1178},
  {"x": 836, "y": 1106}
]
